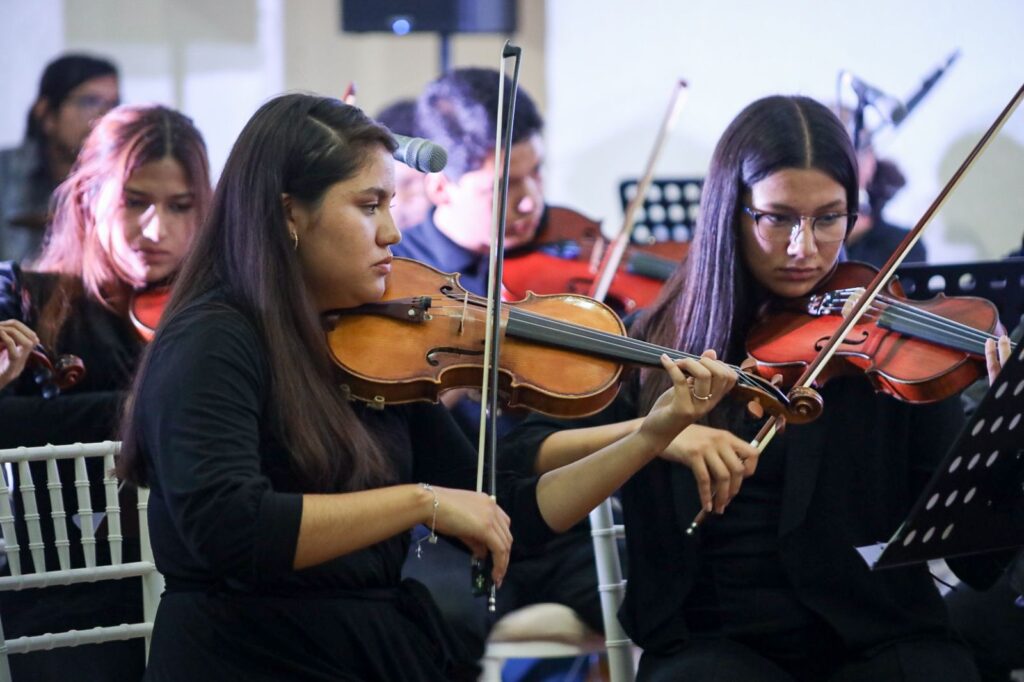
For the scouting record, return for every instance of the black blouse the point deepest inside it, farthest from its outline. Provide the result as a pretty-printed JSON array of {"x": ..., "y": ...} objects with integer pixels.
[
  {"x": 225, "y": 508},
  {"x": 843, "y": 481},
  {"x": 106, "y": 343}
]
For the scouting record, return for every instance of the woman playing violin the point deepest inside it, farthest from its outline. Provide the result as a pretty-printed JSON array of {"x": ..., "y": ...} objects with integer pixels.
[
  {"x": 123, "y": 219},
  {"x": 773, "y": 589},
  {"x": 280, "y": 512}
]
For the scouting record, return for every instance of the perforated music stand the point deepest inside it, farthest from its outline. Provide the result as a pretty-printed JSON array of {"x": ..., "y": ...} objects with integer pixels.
[
  {"x": 669, "y": 211},
  {"x": 974, "y": 502},
  {"x": 1001, "y": 282}
]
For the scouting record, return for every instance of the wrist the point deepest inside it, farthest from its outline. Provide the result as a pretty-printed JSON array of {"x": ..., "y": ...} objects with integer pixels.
[
  {"x": 646, "y": 444},
  {"x": 423, "y": 502}
]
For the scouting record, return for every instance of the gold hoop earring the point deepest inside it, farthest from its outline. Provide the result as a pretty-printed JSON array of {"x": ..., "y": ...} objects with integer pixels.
[{"x": 295, "y": 241}]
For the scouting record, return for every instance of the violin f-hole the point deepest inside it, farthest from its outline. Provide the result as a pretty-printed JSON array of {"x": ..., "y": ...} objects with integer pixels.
[{"x": 864, "y": 336}]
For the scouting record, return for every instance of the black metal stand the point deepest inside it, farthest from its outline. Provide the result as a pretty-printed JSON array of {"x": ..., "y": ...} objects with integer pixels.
[
  {"x": 669, "y": 211},
  {"x": 975, "y": 501},
  {"x": 1001, "y": 282}
]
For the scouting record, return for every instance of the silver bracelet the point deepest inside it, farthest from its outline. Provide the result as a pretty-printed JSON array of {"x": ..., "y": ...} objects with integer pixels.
[{"x": 433, "y": 523}]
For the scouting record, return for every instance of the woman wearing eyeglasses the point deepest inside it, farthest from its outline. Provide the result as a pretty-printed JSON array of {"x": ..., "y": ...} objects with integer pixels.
[
  {"x": 75, "y": 90},
  {"x": 772, "y": 589}
]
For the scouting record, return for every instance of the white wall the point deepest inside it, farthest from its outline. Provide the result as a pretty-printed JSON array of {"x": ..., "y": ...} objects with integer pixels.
[
  {"x": 611, "y": 66},
  {"x": 31, "y": 33},
  {"x": 601, "y": 69}
]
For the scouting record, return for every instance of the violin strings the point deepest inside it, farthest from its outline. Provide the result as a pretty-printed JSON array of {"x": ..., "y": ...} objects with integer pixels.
[
  {"x": 614, "y": 345},
  {"x": 895, "y": 310},
  {"x": 930, "y": 325}
]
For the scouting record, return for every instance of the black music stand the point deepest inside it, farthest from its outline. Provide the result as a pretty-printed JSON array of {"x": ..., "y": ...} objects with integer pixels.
[
  {"x": 975, "y": 501},
  {"x": 1001, "y": 282},
  {"x": 669, "y": 211}
]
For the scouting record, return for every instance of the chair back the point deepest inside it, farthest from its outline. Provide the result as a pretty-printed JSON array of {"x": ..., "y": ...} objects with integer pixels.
[{"x": 54, "y": 502}]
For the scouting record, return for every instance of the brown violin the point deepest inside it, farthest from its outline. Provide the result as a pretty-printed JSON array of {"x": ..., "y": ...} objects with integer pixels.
[
  {"x": 146, "y": 308},
  {"x": 567, "y": 252},
  {"x": 54, "y": 373},
  {"x": 561, "y": 355},
  {"x": 916, "y": 351}
]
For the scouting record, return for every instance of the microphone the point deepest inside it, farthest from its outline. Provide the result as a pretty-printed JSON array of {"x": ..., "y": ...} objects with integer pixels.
[
  {"x": 885, "y": 104},
  {"x": 930, "y": 82},
  {"x": 422, "y": 155}
]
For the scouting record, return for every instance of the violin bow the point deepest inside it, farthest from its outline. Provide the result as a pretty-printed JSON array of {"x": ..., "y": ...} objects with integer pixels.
[
  {"x": 349, "y": 96},
  {"x": 617, "y": 250},
  {"x": 887, "y": 271},
  {"x": 487, "y": 445}
]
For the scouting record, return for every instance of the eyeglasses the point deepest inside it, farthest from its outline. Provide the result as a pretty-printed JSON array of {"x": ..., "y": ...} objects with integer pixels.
[
  {"x": 93, "y": 104},
  {"x": 780, "y": 228}
]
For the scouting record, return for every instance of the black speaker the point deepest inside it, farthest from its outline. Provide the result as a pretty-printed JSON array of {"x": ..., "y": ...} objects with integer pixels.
[{"x": 437, "y": 16}]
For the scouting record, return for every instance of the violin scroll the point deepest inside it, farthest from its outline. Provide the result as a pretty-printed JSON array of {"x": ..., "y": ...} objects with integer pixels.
[{"x": 54, "y": 374}]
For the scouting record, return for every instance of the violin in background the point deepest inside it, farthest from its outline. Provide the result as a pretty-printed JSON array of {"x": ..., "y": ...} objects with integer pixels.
[
  {"x": 54, "y": 373},
  {"x": 565, "y": 256},
  {"x": 146, "y": 308}
]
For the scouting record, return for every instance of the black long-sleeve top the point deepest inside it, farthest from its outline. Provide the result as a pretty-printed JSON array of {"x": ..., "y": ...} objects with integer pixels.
[
  {"x": 782, "y": 557},
  {"x": 225, "y": 507},
  {"x": 105, "y": 341}
]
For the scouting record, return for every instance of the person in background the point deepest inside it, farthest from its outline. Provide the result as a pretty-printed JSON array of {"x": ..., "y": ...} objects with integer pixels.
[
  {"x": 74, "y": 91},
  {"x": 123, "y": 221},
  {"x": 458, "y": 111},
  {"x": 873, "y": 239},
  {"x": 411, "y": 203}
]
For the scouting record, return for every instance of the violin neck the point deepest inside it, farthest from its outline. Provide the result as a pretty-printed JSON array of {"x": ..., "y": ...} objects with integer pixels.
[
  {"x": 921, "y": 324},
  {"x": 558, "y": 334}
]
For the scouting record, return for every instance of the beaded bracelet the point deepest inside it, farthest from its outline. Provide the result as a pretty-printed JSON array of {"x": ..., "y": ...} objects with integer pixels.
[{"x": 433, "y": 523}]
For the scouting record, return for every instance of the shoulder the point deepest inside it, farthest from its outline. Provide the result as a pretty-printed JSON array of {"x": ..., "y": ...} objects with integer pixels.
[
  {"x": 11, "y": 287},
  {"x": 208, "y": 320},
  {"x": 18, "y": 161},
  {"x": 208, "y": 353}
]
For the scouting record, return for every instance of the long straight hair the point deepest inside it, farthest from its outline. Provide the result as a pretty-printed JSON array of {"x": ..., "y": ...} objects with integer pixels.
[
  {"x": 298, "y": 145},
  {"x": 710, "y": 301},
  {"x": 122, "y": 141}
]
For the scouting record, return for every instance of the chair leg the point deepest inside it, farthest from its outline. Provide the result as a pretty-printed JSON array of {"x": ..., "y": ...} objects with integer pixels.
[
  {"x": 492, "y": 669},
  {"x": 5, "y": 665}
]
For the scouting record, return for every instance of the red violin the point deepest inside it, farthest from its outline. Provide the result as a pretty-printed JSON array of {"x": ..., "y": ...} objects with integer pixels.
[
  {"x": 146, "y": 308},
  {"x": 916, "y": 351},
  {"x": 566, "y": 253}
]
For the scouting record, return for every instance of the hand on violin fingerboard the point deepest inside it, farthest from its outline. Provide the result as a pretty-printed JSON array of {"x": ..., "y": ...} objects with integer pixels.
[
  {"x": 996, "y": 355},
  {"x": 697, "y": 386}
]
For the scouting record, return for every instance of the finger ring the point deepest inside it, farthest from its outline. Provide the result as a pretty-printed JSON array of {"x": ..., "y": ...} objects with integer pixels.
[{"x": 700, "y": 397}]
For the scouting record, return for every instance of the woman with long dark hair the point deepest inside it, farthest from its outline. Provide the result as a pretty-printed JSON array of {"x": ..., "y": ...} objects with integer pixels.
[
  {"x": 279, "y": 511},
  {"x": 774, "y": 589},
  {"x": 122, "y": 221}
]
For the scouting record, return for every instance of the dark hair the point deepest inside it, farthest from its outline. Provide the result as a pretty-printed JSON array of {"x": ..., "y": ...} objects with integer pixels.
[
  {"x": 60, "y": 77},
  {"x": 458, "y": 112},
  {"x": 710, "y": 301},
  {"x": 123, "y": 140},
  {"x": 399, "y": 117},
  {"x": 299, "y": 145}
]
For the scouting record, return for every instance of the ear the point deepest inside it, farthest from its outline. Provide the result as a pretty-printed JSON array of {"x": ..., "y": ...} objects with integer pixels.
[
  {"x": 41, "y": 112},
  {"x": 438, "y": 188},
  {"x": 296, "y": 215}
]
